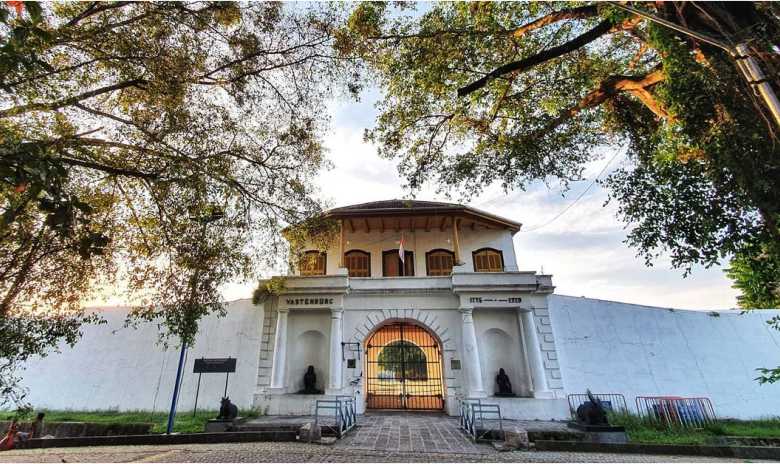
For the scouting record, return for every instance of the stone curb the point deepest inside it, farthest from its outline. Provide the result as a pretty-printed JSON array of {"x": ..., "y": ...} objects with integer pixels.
[
  {"x": 718, "y": 451},
  {"x": 160, "y": 439}
]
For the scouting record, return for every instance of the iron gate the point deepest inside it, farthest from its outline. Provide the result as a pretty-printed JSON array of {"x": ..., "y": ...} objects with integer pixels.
[{"x": 404, "y": 368}]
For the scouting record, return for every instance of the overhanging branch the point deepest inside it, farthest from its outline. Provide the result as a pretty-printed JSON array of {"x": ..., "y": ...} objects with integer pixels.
[
  {"x": 562, "y": 15},
  {"x": 541, "y": 57}
]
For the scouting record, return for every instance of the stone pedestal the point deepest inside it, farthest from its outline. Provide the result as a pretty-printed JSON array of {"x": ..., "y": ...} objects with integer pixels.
[
  {"x": 310, "y": 432},
  {"x": 220, "y": 425},
  {"x": 601, "y": 433},
  {"x": 515, "y": 438}
]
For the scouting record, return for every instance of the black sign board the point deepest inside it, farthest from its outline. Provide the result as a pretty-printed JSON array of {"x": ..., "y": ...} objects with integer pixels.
[{"x": 209, "y": 365}]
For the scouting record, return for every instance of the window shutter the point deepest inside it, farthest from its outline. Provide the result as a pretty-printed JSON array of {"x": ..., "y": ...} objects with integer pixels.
[
  {"x": 488, "y": 260},
  {"x": 358, "y": 263},
  {"x": 440, "y": 263},
  {"x": 312, "y": 263}
]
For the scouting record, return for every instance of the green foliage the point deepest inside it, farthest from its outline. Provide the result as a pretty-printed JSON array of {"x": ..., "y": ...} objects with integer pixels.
[
  {"x": 157, "y": 148},
  {"x": 185, "y": 422},
  {"x": 756, "y": 274},
  {"x": 643, "y": 430}
]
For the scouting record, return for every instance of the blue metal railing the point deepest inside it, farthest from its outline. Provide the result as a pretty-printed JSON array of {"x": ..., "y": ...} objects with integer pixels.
[
  {"x": 478, "y": 419},
  {"x": 341, "y": 409}
]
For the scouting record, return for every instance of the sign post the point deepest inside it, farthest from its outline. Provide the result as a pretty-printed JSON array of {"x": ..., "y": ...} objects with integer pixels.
[{"x": 212, "y": 366}]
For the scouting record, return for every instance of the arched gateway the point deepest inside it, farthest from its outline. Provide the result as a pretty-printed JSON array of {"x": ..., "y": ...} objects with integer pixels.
[{"x": 404, "y": 368}]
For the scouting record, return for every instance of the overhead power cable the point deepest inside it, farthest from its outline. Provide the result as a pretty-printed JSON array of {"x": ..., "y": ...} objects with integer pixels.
[{"x": 579, "y": 197}]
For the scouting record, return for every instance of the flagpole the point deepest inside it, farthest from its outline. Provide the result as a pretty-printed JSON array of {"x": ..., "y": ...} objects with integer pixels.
[{"x": 401, "y": 257}]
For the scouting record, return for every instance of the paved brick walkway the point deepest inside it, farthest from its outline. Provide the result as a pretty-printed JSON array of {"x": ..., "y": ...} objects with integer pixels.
[
  {"x": 302, "y": 452},
  {"x": 410, "y": 432}
]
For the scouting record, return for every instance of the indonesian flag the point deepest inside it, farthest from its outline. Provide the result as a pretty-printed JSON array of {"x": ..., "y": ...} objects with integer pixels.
[{"x": 401, "y": 249}]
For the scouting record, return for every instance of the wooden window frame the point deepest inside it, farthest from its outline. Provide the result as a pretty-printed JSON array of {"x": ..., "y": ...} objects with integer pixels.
[
  {"x": 408, "y": 254},
  {"x": 438, "y": 250},
  {"x": 355, "y": 250},
  {"x": 474, "y": 258},
  {"x": 324, "y": 263}
]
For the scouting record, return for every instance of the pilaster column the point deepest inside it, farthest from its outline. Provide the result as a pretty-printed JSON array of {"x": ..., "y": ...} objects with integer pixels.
[
  {"x": 534, "y": 355},
  {"x": 471, "y": 355},
  {"x": 335, "y": 381},
  {"x": 279, "y": 366}
]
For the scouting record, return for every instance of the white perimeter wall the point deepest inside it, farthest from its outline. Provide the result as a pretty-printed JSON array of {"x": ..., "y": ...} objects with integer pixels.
[
  {"x": 112, "y": 367},
  {"x": 602, "y": 345},
  {"x": 613, "y": 347}
]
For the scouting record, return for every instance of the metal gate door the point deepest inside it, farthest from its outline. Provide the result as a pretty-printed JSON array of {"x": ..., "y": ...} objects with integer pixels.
[{"x": 403, "y": 368}]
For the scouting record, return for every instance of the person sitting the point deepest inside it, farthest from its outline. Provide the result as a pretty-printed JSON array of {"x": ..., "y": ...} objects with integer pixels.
[{"x": 36, "y": 431}]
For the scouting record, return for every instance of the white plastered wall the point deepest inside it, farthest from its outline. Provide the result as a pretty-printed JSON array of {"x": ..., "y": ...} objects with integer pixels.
[
  {"x": 112, "y": 367},
  {"x": 634, "y": 350}
]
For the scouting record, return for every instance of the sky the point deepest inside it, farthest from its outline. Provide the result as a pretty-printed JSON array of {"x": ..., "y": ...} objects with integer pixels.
[{"x": 583, "y": 248}]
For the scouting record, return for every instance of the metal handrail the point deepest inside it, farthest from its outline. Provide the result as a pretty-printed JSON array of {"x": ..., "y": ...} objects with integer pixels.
[
  {"x": 472, "y": 411},
  {"x": 344, "y": 413}
]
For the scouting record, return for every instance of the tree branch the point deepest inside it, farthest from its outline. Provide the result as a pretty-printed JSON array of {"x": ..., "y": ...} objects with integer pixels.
[
  {"x": 111, "y": 169},
  {"x": 635, "y": 85},
  {"x": 17, "y": 110},
  {"x": 94, "y": 9},
  {"x": 562, "y": 15},
  {"x": 541, "y": 57}
]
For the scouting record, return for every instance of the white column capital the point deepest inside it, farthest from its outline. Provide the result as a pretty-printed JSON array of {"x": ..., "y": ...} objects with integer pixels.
[
  {"x": 336, "y": 313},
  {"x": 467, "y": 313},
  {"x": 283, "y": 310}
]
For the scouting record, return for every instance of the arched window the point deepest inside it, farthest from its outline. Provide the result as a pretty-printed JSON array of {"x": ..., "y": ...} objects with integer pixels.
[
  {"x": 439, "y": 262},
  {"x": 488, "y": 260},
  {"x": 313, "y": 263},
  {"x": 358, "y": 263},
  {"x": 391, "y": 264}
]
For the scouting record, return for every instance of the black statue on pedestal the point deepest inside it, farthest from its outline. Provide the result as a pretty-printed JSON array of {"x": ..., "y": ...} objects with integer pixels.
[
  {"x": 310, "y": 383},
  {"x": 227, "y": 411},
  {"x": 592, "y": 412},
  {"x": 504, "y": 385}
]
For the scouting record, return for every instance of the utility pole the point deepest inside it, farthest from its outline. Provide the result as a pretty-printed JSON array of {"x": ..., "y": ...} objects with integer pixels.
[{"x": 747, "y": 65}]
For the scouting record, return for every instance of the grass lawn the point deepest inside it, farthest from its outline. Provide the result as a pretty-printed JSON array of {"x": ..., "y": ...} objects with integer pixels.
[
  {"x": 645, "y": 431},
  {"x": 185, "y": 421}
]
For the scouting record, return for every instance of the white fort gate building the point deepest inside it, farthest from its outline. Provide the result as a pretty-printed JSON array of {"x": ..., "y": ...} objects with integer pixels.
[{"x": 419, "y": 332}]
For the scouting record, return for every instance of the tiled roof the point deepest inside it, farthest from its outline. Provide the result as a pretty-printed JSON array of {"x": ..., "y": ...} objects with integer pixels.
[
  {"x": 415, "y": 207},
  {"x": 397, "y": 204}
]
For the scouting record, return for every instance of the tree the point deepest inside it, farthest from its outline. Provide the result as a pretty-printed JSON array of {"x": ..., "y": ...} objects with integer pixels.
[
  {"x": 512, "y": 92},
  {"x": 122, "y": 126}
]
